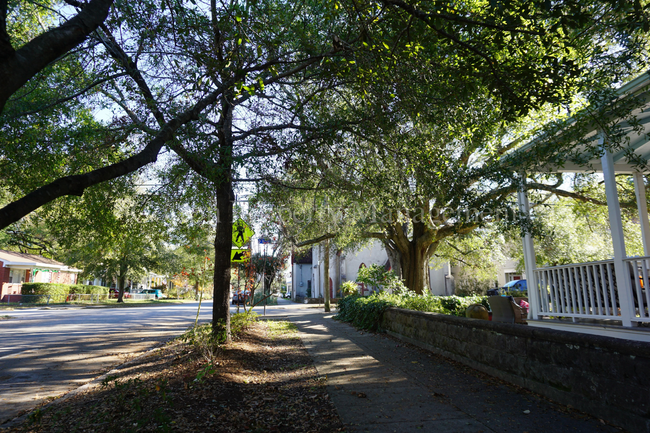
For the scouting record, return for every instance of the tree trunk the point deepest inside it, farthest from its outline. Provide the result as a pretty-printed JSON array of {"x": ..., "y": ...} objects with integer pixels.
[
  {"x": 394, "y": 257},
  {"x": 121, "y": 278},
  {"x": 222, "y": 247},
  {"x": 326, "y": 277},
  {"x": 413, "y": 265},
  {"x": 223, "y": 236}
]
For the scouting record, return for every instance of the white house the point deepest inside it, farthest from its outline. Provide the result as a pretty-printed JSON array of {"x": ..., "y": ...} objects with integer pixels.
[{"x": 308, "y": 271}]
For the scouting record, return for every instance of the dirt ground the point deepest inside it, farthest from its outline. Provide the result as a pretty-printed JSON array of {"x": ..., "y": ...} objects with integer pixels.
[{"x": 262, "y": 382}]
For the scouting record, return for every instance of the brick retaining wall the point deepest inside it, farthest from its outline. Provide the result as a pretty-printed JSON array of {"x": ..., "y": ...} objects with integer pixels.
[{"x": 606, "y": 377}]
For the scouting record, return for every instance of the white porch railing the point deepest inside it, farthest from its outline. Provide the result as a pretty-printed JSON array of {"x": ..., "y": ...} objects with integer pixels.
[{"x": 590, "y": 290}]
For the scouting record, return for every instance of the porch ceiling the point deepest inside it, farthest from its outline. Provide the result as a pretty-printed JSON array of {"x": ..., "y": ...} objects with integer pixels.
[{"x": 634, "y": 140}]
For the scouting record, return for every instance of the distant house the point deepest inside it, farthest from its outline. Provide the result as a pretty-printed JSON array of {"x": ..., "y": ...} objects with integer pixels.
[
  {"x": 301, "y": 266},
  {"x": 344, "y": 266},
  {"x": 17, "y": 268}
]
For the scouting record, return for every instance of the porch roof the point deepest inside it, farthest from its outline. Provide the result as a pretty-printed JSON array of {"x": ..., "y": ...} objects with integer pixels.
[
  {"x": 583, "y": 156},
  {"x": 11, "y": 259}
]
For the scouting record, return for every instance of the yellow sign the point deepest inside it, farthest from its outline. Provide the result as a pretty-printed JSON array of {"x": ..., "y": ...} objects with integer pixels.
[
  {"x": 241, "y": 233},
  {"x": 238, "y": 255}
]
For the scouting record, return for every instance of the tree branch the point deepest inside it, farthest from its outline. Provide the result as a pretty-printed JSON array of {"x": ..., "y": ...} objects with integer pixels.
[
  {"x": 313, "y": 241},
  {"x": 575, "y": 196},
  {"x": 6, "y": 49},
  {"x": 18, "y": 67},
  {"x": 76, "y": 184}
]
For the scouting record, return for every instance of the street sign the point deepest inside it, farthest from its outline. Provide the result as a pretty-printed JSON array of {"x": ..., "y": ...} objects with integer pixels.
[
  {"x": 239, "y": 255},
  {"x": 241, "y": 233}
]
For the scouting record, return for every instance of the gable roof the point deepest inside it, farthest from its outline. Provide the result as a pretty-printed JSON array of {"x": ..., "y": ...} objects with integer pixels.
[{"x": 12, "y": 259}]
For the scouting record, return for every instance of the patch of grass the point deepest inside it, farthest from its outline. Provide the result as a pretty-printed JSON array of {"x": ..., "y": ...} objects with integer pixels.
[
  {"x": 277, "y": 328},
  {"x": 5, "y": 317}
]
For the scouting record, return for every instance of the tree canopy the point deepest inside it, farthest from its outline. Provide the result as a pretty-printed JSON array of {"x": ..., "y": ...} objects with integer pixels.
[{"x": 403, "y": 106}]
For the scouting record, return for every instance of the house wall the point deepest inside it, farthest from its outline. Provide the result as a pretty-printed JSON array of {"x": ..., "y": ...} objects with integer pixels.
[
  {"x": 603, "y": 376},
  {"x": 4, "y": 282},
  {"x": 66, "y": 278},
  {"x": 336, "y": 272},
  {"x": 55, "y": 277},
  {"x": 441, "y": 280},
  {"x": 301, "y": 274},
  {"x": 508, "y": 267},
  {"x": 7, "y": 288},
  {"x": 373, "y": 254}
]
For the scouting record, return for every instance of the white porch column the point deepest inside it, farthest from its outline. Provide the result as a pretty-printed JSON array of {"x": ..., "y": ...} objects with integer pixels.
[
  {"x": 642, "y": 206},
  {"x": 618, "y": 241},
  {"x": 529, "y": 255}
]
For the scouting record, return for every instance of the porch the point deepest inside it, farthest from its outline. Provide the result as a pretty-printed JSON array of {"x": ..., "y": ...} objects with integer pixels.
[
  {"x": 609, "y": 297},
  {"x": 585, "y": 298}
]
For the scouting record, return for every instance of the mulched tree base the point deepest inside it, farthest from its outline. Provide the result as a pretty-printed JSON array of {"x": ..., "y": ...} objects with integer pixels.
[{"x": 262, "y": 382}]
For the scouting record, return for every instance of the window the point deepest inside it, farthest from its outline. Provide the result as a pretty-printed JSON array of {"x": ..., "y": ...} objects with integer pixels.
[
  {"x": 17, "y": 276},
  {"x": 512, "y": 276}
]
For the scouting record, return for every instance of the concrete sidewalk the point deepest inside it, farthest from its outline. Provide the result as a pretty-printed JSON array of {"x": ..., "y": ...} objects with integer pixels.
[{"x": 379, "y": 384}]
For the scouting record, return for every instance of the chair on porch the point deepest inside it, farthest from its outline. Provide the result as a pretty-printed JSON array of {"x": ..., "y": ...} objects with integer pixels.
[{"x": 504, "y": 309}]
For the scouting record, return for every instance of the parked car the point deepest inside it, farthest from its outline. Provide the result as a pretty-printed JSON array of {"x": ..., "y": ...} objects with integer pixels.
[
  {"x": 288, "y": 294},
  {"x": 114, "y": 293},
  {"x": 156, "y": 292},
  {"x": 516, "y": 285},
  {"x": 512, "y": 286}
]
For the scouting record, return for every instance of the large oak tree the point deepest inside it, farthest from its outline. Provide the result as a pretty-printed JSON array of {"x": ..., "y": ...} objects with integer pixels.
[{"x": 270, "y": 86}]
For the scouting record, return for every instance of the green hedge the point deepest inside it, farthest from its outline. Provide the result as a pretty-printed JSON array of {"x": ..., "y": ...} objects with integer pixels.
[
  {"x": 365, "y": 311},
  {"x": 45, "y": 289},
  {"x": 86, "y": 289},
  {"x": 362, "y": 311},
  {"x": 53, "y": 289}
]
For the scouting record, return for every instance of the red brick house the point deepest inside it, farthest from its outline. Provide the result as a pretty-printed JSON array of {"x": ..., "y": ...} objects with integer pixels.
[{"x": 17, "y": 268}]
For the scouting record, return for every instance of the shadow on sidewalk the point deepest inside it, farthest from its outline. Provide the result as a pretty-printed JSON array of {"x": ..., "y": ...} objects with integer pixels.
[{"x": 380, "y": 384}]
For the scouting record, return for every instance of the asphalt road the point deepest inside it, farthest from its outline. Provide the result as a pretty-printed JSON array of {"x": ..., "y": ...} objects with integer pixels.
[{"x": 46, "y": 352}]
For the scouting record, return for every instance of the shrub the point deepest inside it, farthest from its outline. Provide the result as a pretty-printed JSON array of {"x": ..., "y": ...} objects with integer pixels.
[
  {"x": 349, "y": 288},
  {"x": 471, "y": 285},
  {"x": 259, "y": 295},
  {"x": 365, "y": 312},
  {"x": 45, "y": 289},
  {"x": 377, "y": 276},
  {"x": 39, "y": 292},
  {"x": 239, "y": 322},
  {"x": 86, "y": 289},
  {"x": 57, "y": 289}
]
